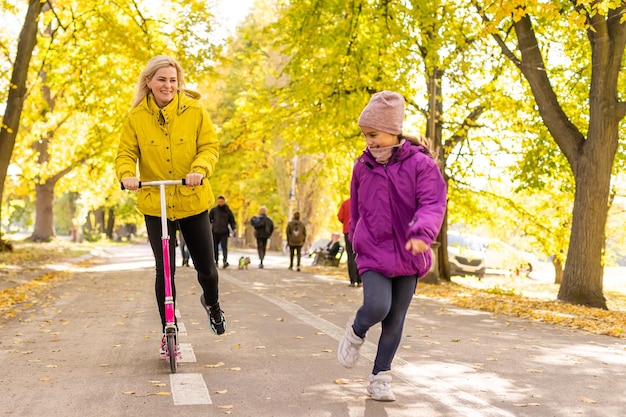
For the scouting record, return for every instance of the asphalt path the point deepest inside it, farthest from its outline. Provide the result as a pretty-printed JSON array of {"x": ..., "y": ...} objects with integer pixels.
[{"x": 89, "y": 347}]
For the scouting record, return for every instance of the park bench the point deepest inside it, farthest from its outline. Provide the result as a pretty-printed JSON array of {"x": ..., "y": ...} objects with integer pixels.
[{"x": 328, "y": 260}]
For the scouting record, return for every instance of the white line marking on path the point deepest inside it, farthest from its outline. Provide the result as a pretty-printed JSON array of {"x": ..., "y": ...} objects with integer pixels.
[
  {"x": 186, "y": 352},
  {"x": 182, "y": 330},
  {"x": 189, "y": 389},
  {"x": 428, "y": 384}
]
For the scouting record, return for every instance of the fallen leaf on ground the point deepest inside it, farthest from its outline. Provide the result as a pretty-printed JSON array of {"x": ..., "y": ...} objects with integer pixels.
[
  {"x": 587, "y": 400},
  {"x": 217, "y": 365}
]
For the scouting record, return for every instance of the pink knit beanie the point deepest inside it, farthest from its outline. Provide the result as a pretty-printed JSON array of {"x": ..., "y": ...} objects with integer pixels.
[{"x": 384, "y": 112}]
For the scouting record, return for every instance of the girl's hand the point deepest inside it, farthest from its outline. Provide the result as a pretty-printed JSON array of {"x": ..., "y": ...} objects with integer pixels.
[
  {"x": 131, "y": 183},
  {"x": 416, "y": 246},
  {"x": 193, "y": 179}
]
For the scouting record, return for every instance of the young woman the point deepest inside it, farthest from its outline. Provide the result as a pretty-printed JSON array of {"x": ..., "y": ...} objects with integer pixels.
[
  {"x": 397, "y": 205},
  {"x": 168, "y": 135}
]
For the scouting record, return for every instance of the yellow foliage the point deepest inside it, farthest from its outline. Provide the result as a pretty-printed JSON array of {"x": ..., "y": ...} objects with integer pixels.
[
  {"x": 534, "y": 306},
  {"x": 525, "y": 299}
]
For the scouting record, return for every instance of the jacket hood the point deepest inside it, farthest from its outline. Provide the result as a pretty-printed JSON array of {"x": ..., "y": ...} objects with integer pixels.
[
  {"x": 404, "y": 151},
  {"x": 390, "y": 204}
]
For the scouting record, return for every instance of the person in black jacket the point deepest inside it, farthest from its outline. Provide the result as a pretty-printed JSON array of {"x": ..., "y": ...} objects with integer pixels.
[
  {"x": 222, "y": 218},
  {"x": 263, "y": 229}
]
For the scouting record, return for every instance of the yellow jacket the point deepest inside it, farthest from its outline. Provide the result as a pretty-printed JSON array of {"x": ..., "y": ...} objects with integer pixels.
[{"x": 168, "y": 144}]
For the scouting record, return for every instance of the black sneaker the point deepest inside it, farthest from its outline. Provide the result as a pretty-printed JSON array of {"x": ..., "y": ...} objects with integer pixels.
[{"x": 217, "y": 321}]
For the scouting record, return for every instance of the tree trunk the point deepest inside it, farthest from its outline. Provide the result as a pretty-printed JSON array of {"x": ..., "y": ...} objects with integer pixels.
[
  {"x": 558, "y": 270},
  {"x": 590, "y": 158},
  {"x": 98, "y": 215},
  {"x": 583, "y": 273},
  {"x": 17, "y": 92},
  {"x": 434, "y": 133},
  {"x": 110, "y": 223},
  {"x": 44, "y": 214}
]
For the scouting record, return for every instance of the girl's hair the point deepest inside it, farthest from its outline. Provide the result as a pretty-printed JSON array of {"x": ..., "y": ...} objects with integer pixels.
[
  {"x": 296, "y": 215},
  {"x": 422, "y": 141},
  {"x": 155, "y": 64}
]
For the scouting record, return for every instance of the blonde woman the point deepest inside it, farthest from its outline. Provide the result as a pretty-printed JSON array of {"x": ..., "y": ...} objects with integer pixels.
[{"x": 168, "y": 135}]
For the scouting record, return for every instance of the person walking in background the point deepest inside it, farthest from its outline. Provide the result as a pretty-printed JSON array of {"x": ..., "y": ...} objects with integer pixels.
[
  {"x": 168, "y": 135},
  {"x": 344, "y": 218},
  {"x": 296, "y": 236},
  {"x": 397, "y": 206},
  {"x": 222, "y": 219},
  {"x": 329, "y": 251},
  {"x": 263, "y": 229},
  {"x": 184, "y": 251}
]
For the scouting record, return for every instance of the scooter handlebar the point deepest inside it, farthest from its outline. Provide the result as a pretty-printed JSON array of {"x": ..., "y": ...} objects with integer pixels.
[{"x": 160, "y": 182}]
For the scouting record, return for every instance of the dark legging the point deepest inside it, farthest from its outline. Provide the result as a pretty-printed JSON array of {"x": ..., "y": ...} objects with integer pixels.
[
  {"x": 197, "y": 233},
  {"x": 353, "y": 272},
  {"x": 385, "y": 300},
  {"x": 221, "y": 239},
  {"x": 294, "y": 250},
  {"x": 261, "y": 245}
]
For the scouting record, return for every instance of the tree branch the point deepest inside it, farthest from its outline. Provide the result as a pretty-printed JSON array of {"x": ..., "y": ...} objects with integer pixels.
[{"x": 565, "y": 133}]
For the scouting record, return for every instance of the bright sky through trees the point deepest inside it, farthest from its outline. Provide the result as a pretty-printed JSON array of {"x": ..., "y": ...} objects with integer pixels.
[{"x": 230, "y": 13}]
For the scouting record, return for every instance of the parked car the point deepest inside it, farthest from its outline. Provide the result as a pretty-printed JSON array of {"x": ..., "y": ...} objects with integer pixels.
[
  {"x": 503, "y": 256},
  {"x": 466, "y": 255}
]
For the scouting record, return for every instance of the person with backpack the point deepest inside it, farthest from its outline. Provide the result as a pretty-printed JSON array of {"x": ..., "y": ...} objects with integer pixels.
[
  {"x": 296, "y": 236},
  {"x": 263, "y": 229}
]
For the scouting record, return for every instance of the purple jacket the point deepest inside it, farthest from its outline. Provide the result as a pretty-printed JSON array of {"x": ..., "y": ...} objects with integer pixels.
[{"x": 391, "y": 204}]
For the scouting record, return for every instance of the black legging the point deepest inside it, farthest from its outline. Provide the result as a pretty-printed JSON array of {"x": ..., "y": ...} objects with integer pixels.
[
  {"x": 197, "y": 233},
  {"x": 220, "y": 239},
  {"x": 261, "y": 245},
  {"x": 386, "y": 301},
  {"x": 353, "y": 272},
  {"x": 297, "y": 250}
]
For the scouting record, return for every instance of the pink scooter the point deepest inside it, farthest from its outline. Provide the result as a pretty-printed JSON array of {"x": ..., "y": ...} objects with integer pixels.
[{"x": 171, "y": 332}]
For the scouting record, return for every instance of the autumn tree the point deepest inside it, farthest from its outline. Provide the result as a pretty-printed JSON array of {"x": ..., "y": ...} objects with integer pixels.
[
  {"x": 270, "y": 154},
  {"x": 78, "y": 103},
  {"x": 589, "y": 143},
  {"x": 17, "y": 89},
  {"x": 341, "y": 53}
]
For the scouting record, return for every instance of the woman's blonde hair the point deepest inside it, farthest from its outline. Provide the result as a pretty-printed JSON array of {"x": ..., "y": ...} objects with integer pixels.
[{"x": 155, "y": 64}]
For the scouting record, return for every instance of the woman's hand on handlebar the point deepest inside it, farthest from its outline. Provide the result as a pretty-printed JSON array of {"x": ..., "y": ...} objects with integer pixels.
[
  {"x": 193, "y": 179},
  {"x": 131, "y": 183}
]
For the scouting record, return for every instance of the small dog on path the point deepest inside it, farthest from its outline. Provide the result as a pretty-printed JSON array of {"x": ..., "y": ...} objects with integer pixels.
[{"x": 244, "y": 262}]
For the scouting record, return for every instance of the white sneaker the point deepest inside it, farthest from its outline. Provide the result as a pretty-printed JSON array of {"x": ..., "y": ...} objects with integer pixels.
[
  {"x": 380, "y": 387},
  {"x": 349, "y": 348}
]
